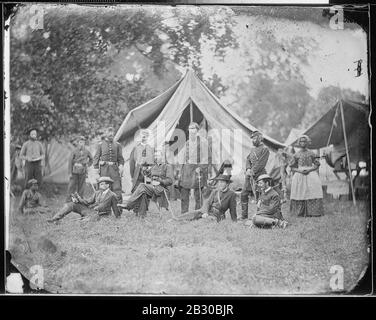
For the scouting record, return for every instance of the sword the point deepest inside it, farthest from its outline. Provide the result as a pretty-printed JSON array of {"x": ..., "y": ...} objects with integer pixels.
[
  {"x": 251, "y": 181},
  {"x": 92, "y": 185},
  {"x": 198, "y": 171},
  {"x": 169, "y": 206}
]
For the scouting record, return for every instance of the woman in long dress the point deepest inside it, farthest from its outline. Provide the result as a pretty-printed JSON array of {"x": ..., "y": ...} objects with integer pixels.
[{"x": 306, "y": 189}]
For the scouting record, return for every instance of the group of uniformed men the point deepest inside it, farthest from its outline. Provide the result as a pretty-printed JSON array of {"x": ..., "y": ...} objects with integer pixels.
[{"x": 153, "y": 178}]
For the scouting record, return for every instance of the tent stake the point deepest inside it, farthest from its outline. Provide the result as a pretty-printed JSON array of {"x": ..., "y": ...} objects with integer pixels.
[{"x": 347, "y": 153}]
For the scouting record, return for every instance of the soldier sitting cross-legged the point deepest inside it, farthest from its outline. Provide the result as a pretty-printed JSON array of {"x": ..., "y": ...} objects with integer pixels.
[
  {"x": 268, "y": 213},
  {"x": 31, "y": 200}
]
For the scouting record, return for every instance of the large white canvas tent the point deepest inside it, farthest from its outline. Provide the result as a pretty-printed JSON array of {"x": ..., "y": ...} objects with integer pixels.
[{"x": 190, "y": 100}]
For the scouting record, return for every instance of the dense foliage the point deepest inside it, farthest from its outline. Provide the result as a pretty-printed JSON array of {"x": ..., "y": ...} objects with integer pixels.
[{"x": 62, "y": 67}]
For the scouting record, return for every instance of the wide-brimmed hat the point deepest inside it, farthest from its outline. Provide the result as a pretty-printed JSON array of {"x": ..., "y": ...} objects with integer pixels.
[
  {"x": 264, "y": 177},
  {"x": 224, "y": 177},
  {"x": 32, "y": 181},
  {"x": 105, "y": 179}
]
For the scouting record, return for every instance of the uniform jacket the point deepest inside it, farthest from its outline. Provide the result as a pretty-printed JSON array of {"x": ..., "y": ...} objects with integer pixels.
[
  {"x": 256, "y": 161},
  {"x": 270, "y": 204},
  {"x": 219, "y": 202},
  {"x": 161, "y": 171},
  {"x": 140, "y": 155},
  {"x": 104, "y": 202},
  {"x": 82, "y": 157},
  {"x": 108, "y": 151}
]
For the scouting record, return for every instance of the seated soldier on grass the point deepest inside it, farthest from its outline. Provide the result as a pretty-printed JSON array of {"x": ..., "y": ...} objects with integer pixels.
[
  {"x": 219, "y": 201},
  {"x": 268, "y": 213},
  {"x": 99, "y": 204},
  {"x": 154, "y": 187},
  {"x": 31, "y": 200}
]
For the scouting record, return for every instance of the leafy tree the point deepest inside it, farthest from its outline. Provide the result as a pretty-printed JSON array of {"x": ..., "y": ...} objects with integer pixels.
[
  {"x": 63, "y": 66},
  {"x": 273, "y": 107},
  {"x": 189, "y": 28},
  {"x": 60, "y": 68}
]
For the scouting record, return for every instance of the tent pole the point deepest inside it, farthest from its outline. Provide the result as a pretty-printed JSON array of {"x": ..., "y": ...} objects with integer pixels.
[
  {"x": 347, "y": 153},
  {"x": 331, "y": 129},
  {"x": 191, "y": 111}
]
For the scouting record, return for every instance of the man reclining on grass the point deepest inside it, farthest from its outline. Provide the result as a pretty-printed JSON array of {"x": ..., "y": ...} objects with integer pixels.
[
  {"x": 31, "y": 200},
  {"x": 269, "y": 213},
  {"x": 219, "y": 201},
  {"x": 99, "y": 204}
]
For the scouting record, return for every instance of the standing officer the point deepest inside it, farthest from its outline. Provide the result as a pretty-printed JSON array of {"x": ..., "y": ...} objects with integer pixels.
[
  {"x": 255, "y": 166},
  {"x": 109, "y": 160},
  {"x": 141, "y": 157},
  {"x": 79, "y": 161},
  {"x": 194, "y": 170},
  {"x": 32, "y": 152}
]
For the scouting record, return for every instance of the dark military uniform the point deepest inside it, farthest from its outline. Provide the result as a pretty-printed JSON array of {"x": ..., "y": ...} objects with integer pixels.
[
  {"x": 216, "y": 205},
  {"x": 111, "y": 154},
  {"x": 270, "y": 204},
  {"x": 269, "y": 212},
  {"x": 256, "y": 161},
  {"x": 79, "y": 160},
  {"x": 141, "y": 156},
  {"x": 139, "y": 200},
  {"x": 100, "y": 203}
]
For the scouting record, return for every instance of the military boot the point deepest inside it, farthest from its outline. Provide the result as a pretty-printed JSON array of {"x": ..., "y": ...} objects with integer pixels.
[
  {"x": 244, "y": 210},
  {"x": 67, "y": 208}
]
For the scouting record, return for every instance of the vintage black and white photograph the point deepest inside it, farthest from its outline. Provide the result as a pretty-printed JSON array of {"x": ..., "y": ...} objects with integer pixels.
[{"x": 187, "y": 150}]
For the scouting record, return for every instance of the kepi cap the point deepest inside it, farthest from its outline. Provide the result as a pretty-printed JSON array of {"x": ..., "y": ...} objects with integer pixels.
[
  {"x": 264, "y": 177},
  {"x": 224, "y": 177},
  {"x": 256, "y": 133}
]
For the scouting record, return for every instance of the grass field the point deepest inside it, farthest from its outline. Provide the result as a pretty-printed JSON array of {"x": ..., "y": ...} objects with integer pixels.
[{"x": 156, "y": 256}]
